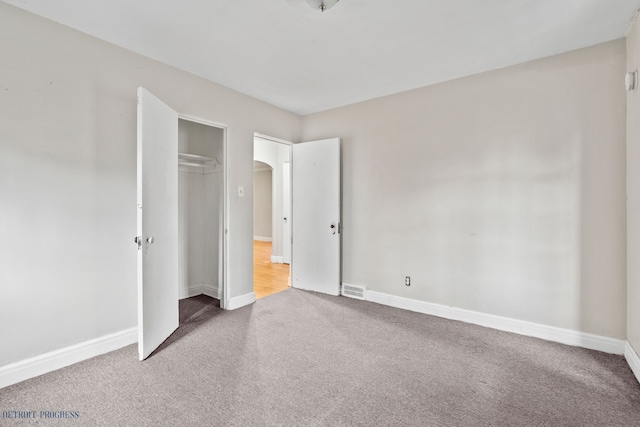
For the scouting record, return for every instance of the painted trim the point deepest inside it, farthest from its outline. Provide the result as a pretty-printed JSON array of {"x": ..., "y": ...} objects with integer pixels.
[
  {"x": 271, "y": 138},
  {"x": 262, "y": 239},
  {"x": 632, "y": 359},
  {"x": 241, "y": 301},
  {"x": 195, "y": 290},
  {"x": 277, "y": 259},
  {"x": 191, "y": 291},
  {"x": 202, "y": 121},
  {"x": 29, "y": 368},
  {"x": 549, "y": 333},
  {"x": 223, "y": 275},
  {"x": 211, "y": 291}
]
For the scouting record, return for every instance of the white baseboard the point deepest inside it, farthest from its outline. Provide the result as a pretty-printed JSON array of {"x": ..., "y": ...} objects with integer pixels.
[
  {"x": 262, "y": 239},
  {"x": 212, "y": 291},
  {"x": 549, "y": 333},
  {"x": 632, "y": 359},
  {"x": 241, "y": 301},
  {"x": 29, "y": 368},
  {"x": 191, "y": 291},
  {"x": 277, "y": 259},
  {"x": 195, "y": 290}
]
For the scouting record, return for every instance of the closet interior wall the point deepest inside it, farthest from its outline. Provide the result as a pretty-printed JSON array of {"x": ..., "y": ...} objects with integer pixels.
[{"x": 200, "y": 209}]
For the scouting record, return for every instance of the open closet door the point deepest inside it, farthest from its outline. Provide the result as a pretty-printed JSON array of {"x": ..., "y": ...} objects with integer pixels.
[
  {"x": 157, "y": 222},
  {"x": 316, "y": 216}
]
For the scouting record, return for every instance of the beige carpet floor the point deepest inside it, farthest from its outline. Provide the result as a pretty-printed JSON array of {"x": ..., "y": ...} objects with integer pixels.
[{"x": 302, "y": 359}]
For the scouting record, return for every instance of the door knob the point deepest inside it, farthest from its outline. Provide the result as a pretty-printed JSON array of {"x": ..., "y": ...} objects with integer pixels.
[
  {"x": 150, "y": 239},
  {"x": 138, "y": 240}
]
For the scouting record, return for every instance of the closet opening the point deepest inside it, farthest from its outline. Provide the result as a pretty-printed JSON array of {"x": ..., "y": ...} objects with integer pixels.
[{"x": 201, "y": 210}]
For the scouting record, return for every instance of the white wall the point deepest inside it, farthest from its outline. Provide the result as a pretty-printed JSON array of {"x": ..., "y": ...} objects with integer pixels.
[
  {"x": 633, "y": 193},
  {"x": 262, "y": 203},
  {"x": 68, "y": 179},
  {"x": 502, "y": 193}
]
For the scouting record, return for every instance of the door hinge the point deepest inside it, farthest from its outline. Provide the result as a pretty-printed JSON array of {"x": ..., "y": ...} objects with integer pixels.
[{"x": 335, "y": 227}]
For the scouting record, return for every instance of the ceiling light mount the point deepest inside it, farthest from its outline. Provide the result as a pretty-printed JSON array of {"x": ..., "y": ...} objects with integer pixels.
[{"x": 322, "y": 5}]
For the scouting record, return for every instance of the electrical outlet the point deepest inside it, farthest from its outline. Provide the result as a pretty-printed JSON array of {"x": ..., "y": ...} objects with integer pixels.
[{"x": 407, "y": 281}]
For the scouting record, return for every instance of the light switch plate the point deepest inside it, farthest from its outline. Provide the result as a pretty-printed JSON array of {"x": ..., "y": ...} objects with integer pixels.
[{"x": 240, "y": 191}]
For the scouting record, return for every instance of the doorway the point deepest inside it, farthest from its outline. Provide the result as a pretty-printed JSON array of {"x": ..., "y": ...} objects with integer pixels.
[
  {"x": 200, "y": 209},
  {"x": 271, "y": 216}
]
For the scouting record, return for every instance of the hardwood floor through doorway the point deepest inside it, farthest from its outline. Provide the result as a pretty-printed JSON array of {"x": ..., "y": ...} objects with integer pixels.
[{"x": 268, "y": 278}]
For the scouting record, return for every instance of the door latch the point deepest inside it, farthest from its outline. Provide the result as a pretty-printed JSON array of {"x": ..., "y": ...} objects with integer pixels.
[{"x": 138, "y": 240}]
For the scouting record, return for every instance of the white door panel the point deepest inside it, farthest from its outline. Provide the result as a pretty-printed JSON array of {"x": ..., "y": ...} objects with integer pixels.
[
  {"x": 157, "y": 222},
  {"x": 316, "y": 216}
]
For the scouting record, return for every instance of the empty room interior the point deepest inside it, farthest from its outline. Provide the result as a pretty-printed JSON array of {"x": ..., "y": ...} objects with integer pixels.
[{"x": 474, "y": 168}]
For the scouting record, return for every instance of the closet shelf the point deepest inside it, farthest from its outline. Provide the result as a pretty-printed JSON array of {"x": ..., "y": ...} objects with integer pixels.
[
  {"x": 197, "y": 161},
  {"x": 197, "y": 165},
  {"x": 194, "y": 157}
]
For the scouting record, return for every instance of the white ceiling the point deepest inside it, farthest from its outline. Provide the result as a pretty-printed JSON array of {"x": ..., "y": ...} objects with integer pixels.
[{"x": 285, "y": 53}]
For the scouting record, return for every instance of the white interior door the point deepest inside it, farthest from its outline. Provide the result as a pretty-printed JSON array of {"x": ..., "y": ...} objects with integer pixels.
[
  {"x": 316, "y": 216},
  {"x": 157, "y": 222},
  {"x": 286, "y": 213}
]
